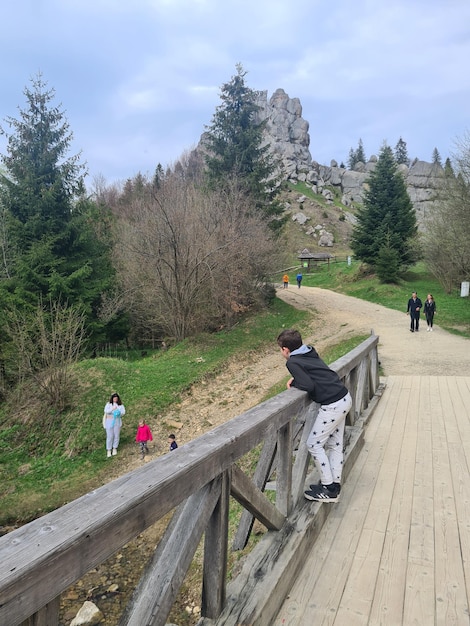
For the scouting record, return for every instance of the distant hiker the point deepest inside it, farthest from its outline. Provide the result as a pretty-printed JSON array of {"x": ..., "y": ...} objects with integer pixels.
[
  {"x": 112, "y": 421},
  {"x": 172, "y": 442},
  {"x": 285, "y": 281},
  {"x": 299, "y": 279}
]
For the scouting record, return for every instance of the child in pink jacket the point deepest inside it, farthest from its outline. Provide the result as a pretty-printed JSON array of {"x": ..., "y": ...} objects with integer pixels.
[{"x": 143, "y": 435}]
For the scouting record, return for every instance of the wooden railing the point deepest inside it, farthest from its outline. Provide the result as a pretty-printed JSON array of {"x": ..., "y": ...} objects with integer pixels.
[{"x": 42, "y": 559}]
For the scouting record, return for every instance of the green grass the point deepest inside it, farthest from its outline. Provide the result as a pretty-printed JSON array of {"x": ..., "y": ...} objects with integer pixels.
[
  {"x": 302, "y": 188},
  {"x": 61, "y": 456},
  {"x": 453, "y": 311}
]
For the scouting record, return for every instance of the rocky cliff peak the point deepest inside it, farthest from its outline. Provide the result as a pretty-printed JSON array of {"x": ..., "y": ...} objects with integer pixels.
[{"x": 287, "y": 133}]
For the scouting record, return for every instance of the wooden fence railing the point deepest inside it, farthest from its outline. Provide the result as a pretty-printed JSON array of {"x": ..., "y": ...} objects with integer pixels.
[{"x": 42, "y": 559}]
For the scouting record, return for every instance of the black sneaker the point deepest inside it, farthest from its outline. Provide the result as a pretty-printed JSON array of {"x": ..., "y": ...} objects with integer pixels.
[
  {"x": 337, "y": 486},
  {"x": 321, "y": 493}
]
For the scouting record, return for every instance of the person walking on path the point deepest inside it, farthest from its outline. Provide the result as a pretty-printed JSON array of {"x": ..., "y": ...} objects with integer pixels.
[
  {"x": 299, "y": 279},
  {"x": 429, "y": 310},
  {"x": 414, "y": 309},
  {"x": 143, "y": 435},
  {"x": 112, "y": 422},
  {"x": 285, "y": 281},
  {"x": 325, "y": 441}
]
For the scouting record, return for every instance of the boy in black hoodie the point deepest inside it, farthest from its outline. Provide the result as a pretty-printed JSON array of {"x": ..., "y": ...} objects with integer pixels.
[{"x": 325, "y": 442}]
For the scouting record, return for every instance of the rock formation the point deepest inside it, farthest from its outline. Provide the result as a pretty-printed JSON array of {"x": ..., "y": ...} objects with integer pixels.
[
  {"x": 289, "y": 139},
  {"x": 286, "y": 131},
  {"x": 287, "y": 134}
]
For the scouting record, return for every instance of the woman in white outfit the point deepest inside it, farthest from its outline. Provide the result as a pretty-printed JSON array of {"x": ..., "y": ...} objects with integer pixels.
[{"x": 112, "y": 422}]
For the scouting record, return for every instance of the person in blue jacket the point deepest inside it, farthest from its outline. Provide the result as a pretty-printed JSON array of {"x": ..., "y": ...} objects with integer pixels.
[
  {"x": 325, "y": 441},
  {"x": 299, "y": 279}
]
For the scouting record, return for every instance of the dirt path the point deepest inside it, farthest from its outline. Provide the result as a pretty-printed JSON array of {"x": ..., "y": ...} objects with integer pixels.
[
  {"x": 244, "y": 385},
  {"x": 400, "y": 351}
]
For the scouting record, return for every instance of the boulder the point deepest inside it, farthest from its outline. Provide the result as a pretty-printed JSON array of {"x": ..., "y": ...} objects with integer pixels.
[
  {"x": 88, "y": 615},
  {"x": 301, "y": 218}
]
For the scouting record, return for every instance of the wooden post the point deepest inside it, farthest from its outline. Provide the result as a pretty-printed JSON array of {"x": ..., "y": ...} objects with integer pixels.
[
  {"x": 284, "y": 469},
  {"x": 215, "y": 554}
]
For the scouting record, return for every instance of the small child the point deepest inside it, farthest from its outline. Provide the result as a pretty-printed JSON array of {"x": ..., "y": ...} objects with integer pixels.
[
  {"x": 143, "y": 435},
  {"x": 172, "y": 442}
]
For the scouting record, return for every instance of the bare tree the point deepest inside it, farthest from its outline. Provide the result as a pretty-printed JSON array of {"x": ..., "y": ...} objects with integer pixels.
[
  {"x": 448, "y": 227},
  {"x": 189, "y": 259},
  {"x": 45, "y": 344}
]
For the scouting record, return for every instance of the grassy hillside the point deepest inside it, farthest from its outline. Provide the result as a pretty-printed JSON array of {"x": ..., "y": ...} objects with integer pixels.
[
  {"x": 319, "y": 213},
  {"x": 61, "y": 456}
]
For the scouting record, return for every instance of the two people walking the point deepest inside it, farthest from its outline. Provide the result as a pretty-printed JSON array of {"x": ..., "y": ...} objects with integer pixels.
[
  {"x": 414, "y": 310},
  {"x": 285, "y": 280}
]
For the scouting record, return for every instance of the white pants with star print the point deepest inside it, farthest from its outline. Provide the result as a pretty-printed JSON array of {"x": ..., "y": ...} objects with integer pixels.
[{"x": 325, "y": 442}]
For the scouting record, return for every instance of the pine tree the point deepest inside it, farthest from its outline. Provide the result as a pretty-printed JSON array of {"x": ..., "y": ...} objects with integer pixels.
[
  {"x": 356, "y": 156},
  {"x": 448, "y": 169},
  {"x": 49, "y": 224},
  {"x": 401, "y": 152},
  {"x": 436, "y": 157},
  {"x": 360, "y": 153},
  {"x": 352, "y": 159},
  {"x": 388, "y": 263},
  {"x": 236, "y": 148},
  {"x": 387, "y": 218}
]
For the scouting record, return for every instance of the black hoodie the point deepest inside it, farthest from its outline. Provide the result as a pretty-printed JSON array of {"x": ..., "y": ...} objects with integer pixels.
[{"x": 311, "y": 374}]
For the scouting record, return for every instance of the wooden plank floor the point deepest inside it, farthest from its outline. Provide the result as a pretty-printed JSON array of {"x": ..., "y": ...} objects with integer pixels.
[{"x": 396, "y": 549}]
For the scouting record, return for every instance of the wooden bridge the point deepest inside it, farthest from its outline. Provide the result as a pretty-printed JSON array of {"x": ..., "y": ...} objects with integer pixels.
[
  {"x": 396, "y": 549},
  {"x": 392, "y": 551}
]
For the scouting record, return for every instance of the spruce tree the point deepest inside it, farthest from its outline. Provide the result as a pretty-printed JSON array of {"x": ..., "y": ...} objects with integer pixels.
[
  {"x": 388, "y": 263},
  {"x": 448, "y": 169},
  {"x": 50, "y": 226},
  {"x": 236, "y": 148},
  {"x": 387, "y": 220},
  {"x": 436, "y": 157},
  {"x": 360, "y": 153},
  {"x": 401, "y": 152},
  {"x": 356, "y": 156},
  {"x": 352, "y": 159}
]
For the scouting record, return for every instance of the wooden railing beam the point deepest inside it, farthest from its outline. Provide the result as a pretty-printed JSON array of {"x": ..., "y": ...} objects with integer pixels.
[
  {"x": 42, "y": 559},
  {"x": 250, "y": 497}
]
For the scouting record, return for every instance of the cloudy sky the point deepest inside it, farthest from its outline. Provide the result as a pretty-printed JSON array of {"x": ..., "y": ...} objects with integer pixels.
[{"x": 139, "y": 80}]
